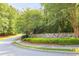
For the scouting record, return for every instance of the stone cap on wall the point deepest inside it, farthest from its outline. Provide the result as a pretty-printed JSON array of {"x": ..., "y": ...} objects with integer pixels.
[{"x": 54, "y": 35}]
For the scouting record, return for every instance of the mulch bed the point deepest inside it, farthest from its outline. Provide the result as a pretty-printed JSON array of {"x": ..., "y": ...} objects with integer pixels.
[{"x": 2, "y": 36}]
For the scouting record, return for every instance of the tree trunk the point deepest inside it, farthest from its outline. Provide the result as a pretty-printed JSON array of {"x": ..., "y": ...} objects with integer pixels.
[{"x": 74, "y": 20}]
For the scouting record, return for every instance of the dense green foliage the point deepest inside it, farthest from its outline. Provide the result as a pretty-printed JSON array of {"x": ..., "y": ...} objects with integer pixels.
[
  {"x": 58, "y": 17},
  {"x": 29, "y": 20},
  {"x": 51, "y": 18},
  {"x": 8, "y": 16},
  {"x": 61, "y": 41}
]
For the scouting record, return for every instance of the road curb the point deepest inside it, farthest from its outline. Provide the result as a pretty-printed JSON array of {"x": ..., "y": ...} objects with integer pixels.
[{"x": 44, "y": 48}]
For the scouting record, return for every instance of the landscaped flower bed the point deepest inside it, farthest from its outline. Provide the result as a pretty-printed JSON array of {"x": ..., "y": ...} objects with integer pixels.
[
  {"x": 76, "y": 50},
  {"x": 61, "y": 41}
]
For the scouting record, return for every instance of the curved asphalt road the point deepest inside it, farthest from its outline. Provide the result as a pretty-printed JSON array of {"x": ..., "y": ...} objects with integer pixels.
[{"x": 8, "y": 49}]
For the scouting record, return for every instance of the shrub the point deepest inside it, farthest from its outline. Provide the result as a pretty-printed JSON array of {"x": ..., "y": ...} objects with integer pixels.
[{"x": 61, "y": 41}]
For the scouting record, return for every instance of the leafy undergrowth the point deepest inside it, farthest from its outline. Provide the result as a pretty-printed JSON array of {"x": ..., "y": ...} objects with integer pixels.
[{"x": 60, "y": 41}]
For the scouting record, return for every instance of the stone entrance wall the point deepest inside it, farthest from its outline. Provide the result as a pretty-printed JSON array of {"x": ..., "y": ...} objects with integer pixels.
[{"x": 54, "y": 35}]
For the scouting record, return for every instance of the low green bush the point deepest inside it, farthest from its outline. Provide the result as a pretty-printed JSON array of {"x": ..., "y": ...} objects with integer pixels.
[{"x": 61, "y": 41}]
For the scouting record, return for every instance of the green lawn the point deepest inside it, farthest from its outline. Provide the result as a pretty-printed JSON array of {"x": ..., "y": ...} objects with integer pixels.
[{"x": 61, "y": 41}]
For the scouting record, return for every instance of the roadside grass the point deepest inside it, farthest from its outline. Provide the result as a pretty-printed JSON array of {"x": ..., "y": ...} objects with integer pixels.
[
  {"x": 43, "y": 48},
  {"x": 4, "y": 38},
  {"x": 60, "y": 41}
]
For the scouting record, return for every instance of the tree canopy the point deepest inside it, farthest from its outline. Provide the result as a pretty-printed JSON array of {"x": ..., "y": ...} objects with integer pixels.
[
  {"x": 8, "y": 16},
  {"x": 51, "y": 18}
]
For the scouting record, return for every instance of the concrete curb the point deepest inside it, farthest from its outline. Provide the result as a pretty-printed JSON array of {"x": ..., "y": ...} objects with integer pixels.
[{"x": 44, "y": 48}]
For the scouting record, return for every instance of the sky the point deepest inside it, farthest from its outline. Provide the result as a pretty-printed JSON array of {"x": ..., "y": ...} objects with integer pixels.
[{"x": 21, "y": 6}]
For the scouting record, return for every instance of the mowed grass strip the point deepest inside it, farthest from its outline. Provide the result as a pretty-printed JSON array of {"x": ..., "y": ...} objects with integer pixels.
[
  {"x": 61, "y": 41},
  {"x": 43, "y": 48}
]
